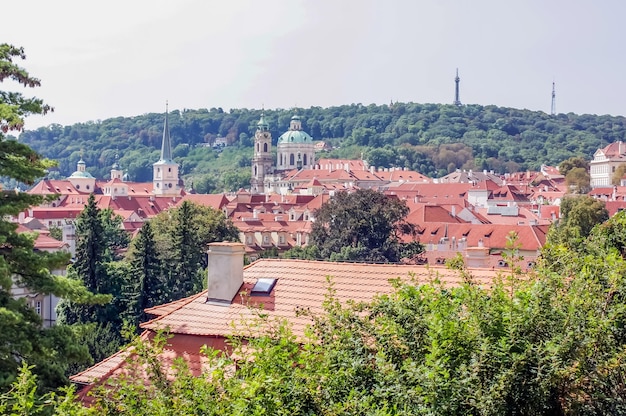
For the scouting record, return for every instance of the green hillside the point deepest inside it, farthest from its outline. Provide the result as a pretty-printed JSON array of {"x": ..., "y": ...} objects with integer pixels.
[{"x": 433, "y": 139}]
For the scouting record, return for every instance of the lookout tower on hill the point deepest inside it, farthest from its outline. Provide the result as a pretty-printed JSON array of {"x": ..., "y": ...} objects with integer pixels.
[{"x": 457, "y": 81}]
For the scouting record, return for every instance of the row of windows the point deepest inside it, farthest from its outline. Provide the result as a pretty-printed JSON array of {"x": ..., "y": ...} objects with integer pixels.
[
  {"x": 598, "y": 169},
  {"x": 292, "y": 159}
]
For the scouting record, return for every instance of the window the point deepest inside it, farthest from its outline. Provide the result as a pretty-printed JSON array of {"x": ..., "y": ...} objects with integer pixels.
[
  {"x": 304, "y": 159},
  {"x": 265, "y": 147},
  {"x": 291, "y": 159},
  {"x": 169, "y": 169},
  {"x": 266, "y": 239},
  {"x": 169, "y": 185},
  {"x": 158, "y": 185},
  {"x": 263, "y": 287},
  {"x": 38, "y": 307},
  {"x": 87, "y": 186},
  {"x": 281, "y": 239}
]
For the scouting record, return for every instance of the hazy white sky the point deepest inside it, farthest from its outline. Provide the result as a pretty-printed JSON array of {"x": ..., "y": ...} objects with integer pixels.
[{"x": 101, "y": 59}]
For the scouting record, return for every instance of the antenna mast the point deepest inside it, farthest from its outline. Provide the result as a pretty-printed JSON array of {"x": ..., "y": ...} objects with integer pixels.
[{"x": 553, "y": 106}]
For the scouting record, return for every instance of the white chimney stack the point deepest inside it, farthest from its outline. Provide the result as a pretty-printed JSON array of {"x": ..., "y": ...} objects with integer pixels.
[{"x": 225, "y": 271}]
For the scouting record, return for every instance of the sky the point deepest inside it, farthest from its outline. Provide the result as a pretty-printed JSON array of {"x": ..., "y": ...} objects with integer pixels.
[{"x": 99, "y": 59}]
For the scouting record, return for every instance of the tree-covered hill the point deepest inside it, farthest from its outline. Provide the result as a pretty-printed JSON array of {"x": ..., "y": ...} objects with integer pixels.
[{"x": 433, "y": 139}]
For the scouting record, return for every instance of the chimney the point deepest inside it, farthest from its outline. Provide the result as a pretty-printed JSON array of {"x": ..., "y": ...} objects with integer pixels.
[{"x": 225, "y": 266}]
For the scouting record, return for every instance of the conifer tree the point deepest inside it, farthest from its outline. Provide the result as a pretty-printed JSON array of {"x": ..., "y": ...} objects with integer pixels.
[
  {"x": 186, "y": 278},
  {"x": 146, "y": 285},
  {"x": 88, "y": 266},
  {"x": 22, "y": 336},
  {"x": 181, "y": 236}
]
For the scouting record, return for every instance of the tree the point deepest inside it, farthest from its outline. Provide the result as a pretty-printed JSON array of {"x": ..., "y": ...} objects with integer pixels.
[
  {"x": 579, "y": 180},
  {"x": 89, "y": 267},
  {"x": 550, "y": 343},
  {"x": 116, "y": 239},
  {"x": 619, "y": 174},
  {"x": 22, "y": 336},
  {"x": 181, "y": 236},
  {"x": 365, "y": 225},
  {"x": 573, "y": 163},
  {"x": 146, "y": 283},
  {"x": 583, "y": 213}
]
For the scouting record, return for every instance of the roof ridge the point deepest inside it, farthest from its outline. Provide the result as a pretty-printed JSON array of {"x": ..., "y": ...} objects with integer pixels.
[{"x": 183, "y": 302}]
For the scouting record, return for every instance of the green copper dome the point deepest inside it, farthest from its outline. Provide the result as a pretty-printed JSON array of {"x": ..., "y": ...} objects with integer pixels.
[
  {"x": 295, "y": 133},
  {"x": 80, "y": 171},
  {"x": 295, "y": 136},
  {"x": 79, "y": 174}
]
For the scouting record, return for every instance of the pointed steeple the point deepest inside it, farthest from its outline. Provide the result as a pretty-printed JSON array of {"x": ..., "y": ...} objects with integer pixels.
[
  {"x": 166, "y": 145},
  {"x": 165, "y": 179}
]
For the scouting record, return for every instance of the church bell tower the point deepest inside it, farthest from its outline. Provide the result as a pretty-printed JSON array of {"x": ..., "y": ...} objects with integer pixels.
[{"x": 262, "y": 159}]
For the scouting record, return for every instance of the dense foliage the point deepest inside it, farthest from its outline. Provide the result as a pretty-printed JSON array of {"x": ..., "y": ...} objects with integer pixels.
[
  {"x": 433, "y": 139},
  {"x": 550, "y": 343},
  {"x": 166, "y": 261},
  {"x": 22, "y": 336},
  {"x": 181, "y": 239},
  {"x": 364, "y": 225}
]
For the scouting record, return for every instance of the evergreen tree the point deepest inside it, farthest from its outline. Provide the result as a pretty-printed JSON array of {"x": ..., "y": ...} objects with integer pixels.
[
  {"x": 114, "y": 236},
  {"x": 146, "y": 285},
  {"x": 88, "y": 267},
  {"x": 22, "y": 336},
  {"x": 187, "y": 277},
  {"x": 90, "y": 246},
  {"x": 181, "y": 236}
]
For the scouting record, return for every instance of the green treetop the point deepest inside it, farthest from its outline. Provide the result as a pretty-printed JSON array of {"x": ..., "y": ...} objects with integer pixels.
[{"x": 365, "y": 225}]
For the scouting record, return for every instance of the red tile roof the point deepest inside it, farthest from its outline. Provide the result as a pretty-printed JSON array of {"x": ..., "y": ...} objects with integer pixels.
[
  {"x": 530, "y": 237},
  {"x": 216, "y": 201},
  {"x": 301, "y": 285}
]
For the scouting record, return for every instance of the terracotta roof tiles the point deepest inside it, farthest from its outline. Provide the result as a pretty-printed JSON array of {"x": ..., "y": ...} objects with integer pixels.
[{"x": 301, "y": 284}]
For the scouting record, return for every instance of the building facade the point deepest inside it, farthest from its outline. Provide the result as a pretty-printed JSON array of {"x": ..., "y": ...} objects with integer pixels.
[{"x": 605, "y": 162}]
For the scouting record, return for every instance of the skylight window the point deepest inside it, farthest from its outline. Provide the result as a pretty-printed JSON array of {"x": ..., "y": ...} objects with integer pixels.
[{"x": 263, "y": 287}]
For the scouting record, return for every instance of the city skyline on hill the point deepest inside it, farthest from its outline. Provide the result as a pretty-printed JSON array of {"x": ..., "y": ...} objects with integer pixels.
[{"x": 107, "y": 59}]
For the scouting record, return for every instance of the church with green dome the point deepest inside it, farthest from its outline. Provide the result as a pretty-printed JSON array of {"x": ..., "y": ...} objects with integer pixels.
[{"x": 295, "y": 150}]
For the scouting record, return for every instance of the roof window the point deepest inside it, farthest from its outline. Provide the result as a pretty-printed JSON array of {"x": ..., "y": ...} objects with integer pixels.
[{"x": 263, "y": 287}]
